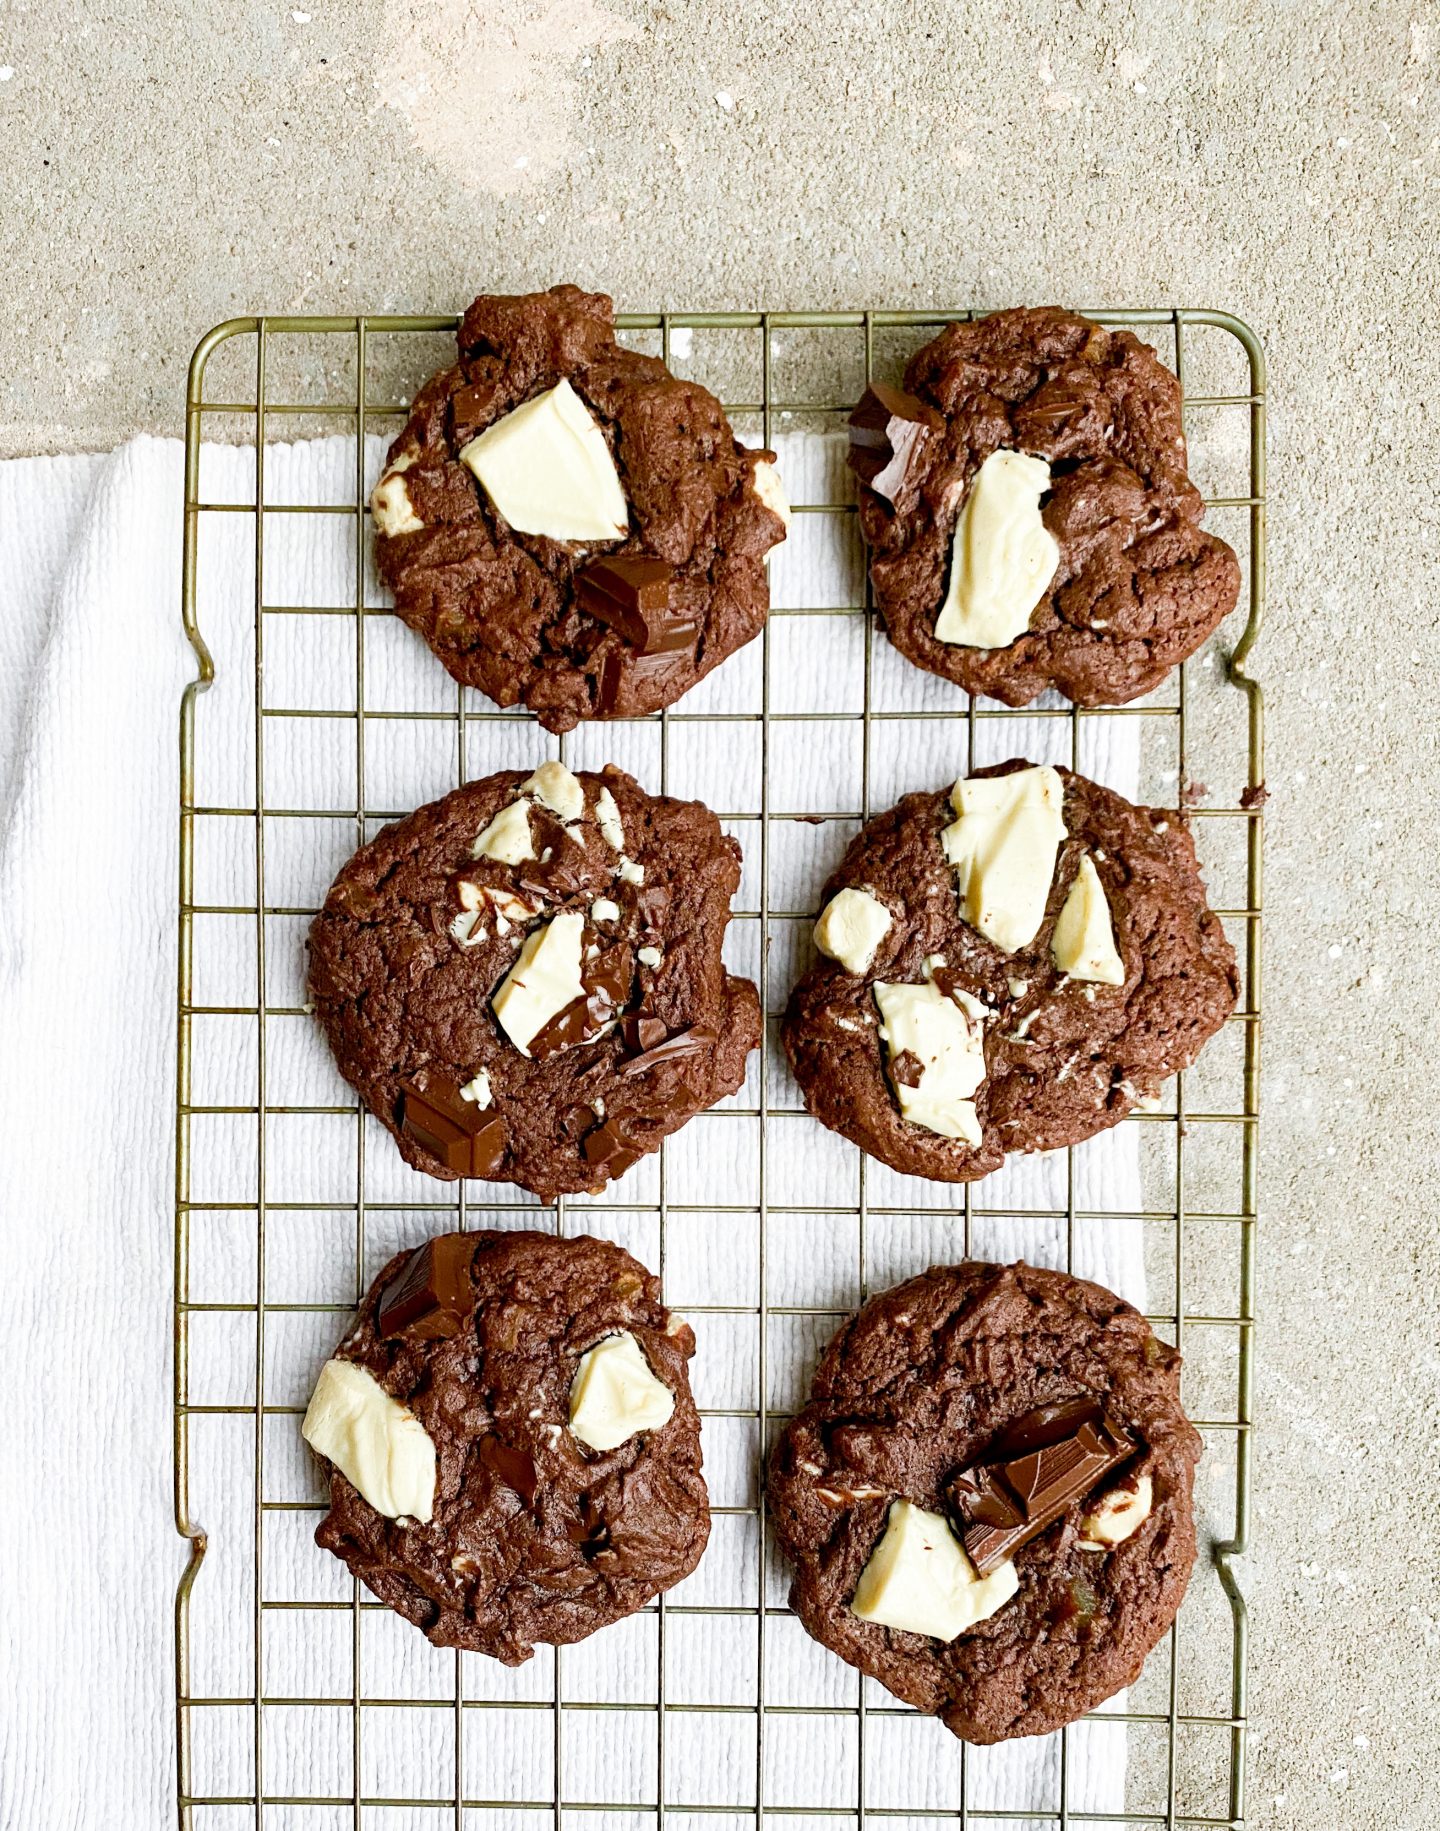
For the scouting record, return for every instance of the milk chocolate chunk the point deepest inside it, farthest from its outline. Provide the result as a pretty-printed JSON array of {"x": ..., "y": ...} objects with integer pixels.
[
  {"x": 672, "y": 1049},
  {"x": 1035, "y": 1486},
  {"x": 487, "y": 1147},
  {"x": 611, "y": 1149},
  {"x": 885, "y": 430},
  {"x": 465, "y": 1139},
  {"x": 632, "y": 594},
  {"x": 430, "y": 1298}
]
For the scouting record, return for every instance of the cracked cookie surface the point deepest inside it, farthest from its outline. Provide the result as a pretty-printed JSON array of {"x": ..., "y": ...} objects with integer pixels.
[
  {"x": 921, "y": 1384},
  {"x": 1063, "y": 1059},
  {"x": 534, "y": 1536},
  {"x": 499, "y": 607},
  {"x": 417, "y": 936},
  {"x": 1139, "y": 584}
]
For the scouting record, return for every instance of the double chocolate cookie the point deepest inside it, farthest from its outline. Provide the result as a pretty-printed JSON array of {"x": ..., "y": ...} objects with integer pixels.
[
  {"x": 987, "y": 1497},
  {"x": 1012, "y": 966},
  {"x": 1029, "y": 516},
  {"x": 523, "y": 981},
  {"x": 569, "y": 525},
  {"x": 513, "y": 1448}
]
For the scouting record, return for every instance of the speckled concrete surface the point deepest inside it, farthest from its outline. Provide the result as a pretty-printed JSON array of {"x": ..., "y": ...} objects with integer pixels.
[{"x": 172, "y": 162}]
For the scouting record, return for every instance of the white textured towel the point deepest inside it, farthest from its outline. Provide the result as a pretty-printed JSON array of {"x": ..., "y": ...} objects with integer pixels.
[{"x": 92, "y": 663}]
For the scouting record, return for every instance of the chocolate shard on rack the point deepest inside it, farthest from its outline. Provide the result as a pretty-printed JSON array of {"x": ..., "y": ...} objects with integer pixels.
[
  {"x": 1037, "y": 1476},
  {"x": 611, "y": 1149},
  {"x": 632, "y": 593},
  {"x": 430, "y": 1296},
  {"x": 887, "y": 428},
  {"x": 673, "y": 1049},
  {"x": 465, "y": 1139}
]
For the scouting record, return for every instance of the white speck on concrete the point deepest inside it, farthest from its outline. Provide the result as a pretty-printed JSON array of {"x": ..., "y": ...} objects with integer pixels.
[
  {"x": 6, "y": 72},
  {"x": 725, "y": 100}
]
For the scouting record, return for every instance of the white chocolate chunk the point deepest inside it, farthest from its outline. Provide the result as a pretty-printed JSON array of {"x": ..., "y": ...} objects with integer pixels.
[
  {"x": 919, "y": 1579},
  {"x": 851, "y": 927},
  {"x": 477, "y": 1090},
  {"x": 506, "y": 905},
  {"x": 378, "y": 1445},
  {"x": 548, "y": 470},
  {"x": 614, "y": 1394},
  {"x": 554, "y": 787},
  {"x": 612, "y": 828},
  {"x": 649, "y": 956},
  {"x": 948, "y": 1039},
  {"x": 390, "y": 501},
  {"x": 630, "y": 872},
  {"x": 1116, "y": 1515},
  {"x": 771, "y": 491},
  {"x": 1003, "y": 851},
  {"x": 468, "y": 929},
  {"x": 544, "y": 979},
  {"x": 507, "y": 838},
  {"x": 1083, "y": 944},
  {"x": 604, "y": 909},
  {"x": 1003, "y": 556}
]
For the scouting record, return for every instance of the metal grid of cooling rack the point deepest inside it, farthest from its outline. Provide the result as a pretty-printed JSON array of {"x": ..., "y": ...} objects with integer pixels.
[{"x": 1200, "y": 1228}]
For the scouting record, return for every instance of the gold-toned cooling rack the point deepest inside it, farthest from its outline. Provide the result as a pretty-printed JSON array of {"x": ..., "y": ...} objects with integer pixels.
[{"x": 281, "y": 1697}]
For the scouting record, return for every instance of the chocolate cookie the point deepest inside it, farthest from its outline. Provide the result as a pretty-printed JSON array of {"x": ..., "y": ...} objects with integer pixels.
[
  {"x": 1029, "y": 516},
  {"x": 523, "y": 981},
  {"x": 1013, "y": 967},
  {"x": 994, "y": 1469},
  {"x": 514, "y": 1453},
  {"x": 569, "y": 525}
]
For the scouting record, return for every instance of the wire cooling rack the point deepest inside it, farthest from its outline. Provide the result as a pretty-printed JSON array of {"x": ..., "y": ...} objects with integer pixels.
[{"x": 286, "y": 1702}]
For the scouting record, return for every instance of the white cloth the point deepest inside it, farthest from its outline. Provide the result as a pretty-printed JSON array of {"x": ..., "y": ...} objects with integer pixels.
[{"x": 92, "y": 664}]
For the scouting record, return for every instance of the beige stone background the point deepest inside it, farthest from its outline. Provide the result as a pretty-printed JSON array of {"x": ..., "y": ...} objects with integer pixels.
[{"x": 168, "y": 164}]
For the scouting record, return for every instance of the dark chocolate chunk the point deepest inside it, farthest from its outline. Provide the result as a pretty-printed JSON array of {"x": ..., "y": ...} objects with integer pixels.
[
  {"x": 652, "y": 904},
  {"x": 607, "y": 986},
  {"x": 355, "y": 899},
  {"x": 611, "y": 1148},
  {"x": 471, "y": 408},
  {"x": 1045, "y": 1424},
  {"x": 982, "y": 1497},
  {"x": 571, "y": 1024},
  {"x": 467, "y": 1140},
  {"x": 643, "y": 673},
  {"x": 673, "y": 1049},
  {"x": 439, "y": 1121},
  {"x": 641, "y": 1031},
  {"x": 1040, "y": 1485},
  {"x": 631, "y": 593},
  {"x": 907, "y": 1069},
  {"x": 431, "y": 1296},
  {"x": 514, "y": 1467},
  {"x": 885, "y": 430}
]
